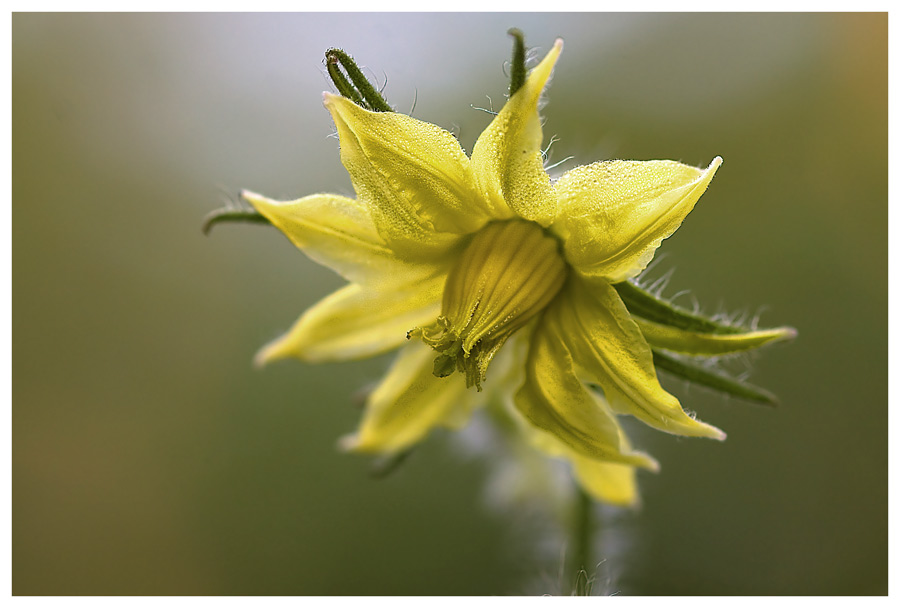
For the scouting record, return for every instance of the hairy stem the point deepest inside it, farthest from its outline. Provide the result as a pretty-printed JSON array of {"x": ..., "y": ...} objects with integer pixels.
[{"x": 582, "y": 544}]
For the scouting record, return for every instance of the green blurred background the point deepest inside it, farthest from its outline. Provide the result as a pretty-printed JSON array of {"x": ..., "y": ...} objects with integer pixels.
[{"x": 150, "y": 458}]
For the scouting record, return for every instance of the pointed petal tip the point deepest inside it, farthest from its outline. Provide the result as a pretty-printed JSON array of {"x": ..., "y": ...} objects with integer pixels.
[
  {"x": 252, "y": 197},
  {"x": 333, "y": 103},
  {"x": 348, "y": 443},
  {"x": 702, "y": 429},
  {"x": 712, "y": 168},
  {"x": 273, "y": 351},
  {"x": 697, "y": 428},
  {"x": 262, "y": 358},
  {"x": 646, "y": 461},
  {"x": 776, "y": 334},
  {"x": 541, "y": 72},
  {"x": 262, "y": 204},
  {"x": 555, "y": 52}
]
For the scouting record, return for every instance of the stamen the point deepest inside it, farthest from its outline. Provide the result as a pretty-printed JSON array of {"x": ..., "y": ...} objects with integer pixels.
[{"x": 508, "y": 274}]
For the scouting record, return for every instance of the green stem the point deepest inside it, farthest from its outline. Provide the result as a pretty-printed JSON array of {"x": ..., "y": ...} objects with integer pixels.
[{"x": 582, "y": 542}]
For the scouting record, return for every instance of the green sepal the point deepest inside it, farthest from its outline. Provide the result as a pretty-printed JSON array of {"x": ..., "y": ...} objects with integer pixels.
[
  {"x": 517, "y": 70},
  {"x": 341, "y": 83},
  {"x": 696, "y": 344},
  {"x": 644, "y": 304},
  {"x": 361, "y": 92},
  {"x": 693, "y": 371},
  {"x": 384, "y": 466},
  {"x": 230, "y": 214}
]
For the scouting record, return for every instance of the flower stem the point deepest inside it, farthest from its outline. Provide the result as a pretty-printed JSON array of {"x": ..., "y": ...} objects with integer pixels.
[{"x": 582, "y": 543}]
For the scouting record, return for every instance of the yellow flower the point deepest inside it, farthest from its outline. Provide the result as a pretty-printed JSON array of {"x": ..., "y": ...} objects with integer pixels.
[{"x": 498, "y": 285}]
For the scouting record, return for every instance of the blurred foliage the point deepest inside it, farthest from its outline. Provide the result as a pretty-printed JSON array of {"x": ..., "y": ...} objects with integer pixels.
[{"x": 150, "y": 458}]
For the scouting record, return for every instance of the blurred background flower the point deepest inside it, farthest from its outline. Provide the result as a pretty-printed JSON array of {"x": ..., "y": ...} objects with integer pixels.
[{"x": 150, "y": 458}]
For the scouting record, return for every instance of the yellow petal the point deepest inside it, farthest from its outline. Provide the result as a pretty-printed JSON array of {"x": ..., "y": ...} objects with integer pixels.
[
  {"x": 608, "y": 482},
  {"x": 556, "y": 402},
  {"x": 413, "y": 175},
  {"x": 360, "y": 321},
  {"x": 608, "y": 347},
  {"x": 709, "y": 345},
  {"x": 507, "y": 161},
  {"x": 335, "y": 231},
  {"x": 614, "y": 214},
  {"x": 410, "y": 402}
]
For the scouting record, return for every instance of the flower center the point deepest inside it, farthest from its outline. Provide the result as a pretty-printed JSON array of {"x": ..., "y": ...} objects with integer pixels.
[{"x": 507, "y": 274}]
